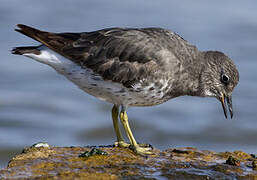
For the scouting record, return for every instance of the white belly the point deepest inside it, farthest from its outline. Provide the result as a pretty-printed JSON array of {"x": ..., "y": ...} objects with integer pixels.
[{"x": 94, "y": 85}]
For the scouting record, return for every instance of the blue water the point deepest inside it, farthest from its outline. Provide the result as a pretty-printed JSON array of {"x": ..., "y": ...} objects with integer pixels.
[{"x": 37, "y": 104}]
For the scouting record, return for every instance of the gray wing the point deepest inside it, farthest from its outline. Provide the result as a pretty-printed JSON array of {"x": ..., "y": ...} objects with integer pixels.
[
  {"x": 128, "y": 55},
  {"x": 124, "y": 55},
  {"x": 120, "y": 55}
]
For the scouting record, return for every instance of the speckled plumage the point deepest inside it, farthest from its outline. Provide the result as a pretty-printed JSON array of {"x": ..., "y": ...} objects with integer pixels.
[
  {"x": 145, "y": 61},
  {"x": 134, "y": 66}
]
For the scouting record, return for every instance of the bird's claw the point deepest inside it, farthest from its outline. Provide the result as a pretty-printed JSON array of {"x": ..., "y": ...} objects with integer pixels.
[
  {"x": 142, "y": 150},
  {"x": 121, "y": 144}
]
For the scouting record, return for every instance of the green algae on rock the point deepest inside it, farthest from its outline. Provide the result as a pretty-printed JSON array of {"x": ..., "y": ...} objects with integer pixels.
[
  {"x": 93, "y": 151},
  {"x": 233, "y": 161},
  {"x": 122, "y": 163},
  {"x": 254, "y": 164}
]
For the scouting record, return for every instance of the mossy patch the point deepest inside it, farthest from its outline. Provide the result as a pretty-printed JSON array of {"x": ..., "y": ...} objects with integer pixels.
[{"x": 93, "y": 152}]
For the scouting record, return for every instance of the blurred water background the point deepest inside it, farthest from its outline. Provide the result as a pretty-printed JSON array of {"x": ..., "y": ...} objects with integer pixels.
[{"x": 37, "y": 104}]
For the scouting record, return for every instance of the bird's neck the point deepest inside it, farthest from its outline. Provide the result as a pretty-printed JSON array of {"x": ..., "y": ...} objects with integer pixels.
[
  {"x": 195, "y": 83},
  {"x": 191, "y": 76}
]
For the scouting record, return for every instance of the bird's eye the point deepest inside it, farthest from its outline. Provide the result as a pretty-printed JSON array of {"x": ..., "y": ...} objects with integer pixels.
[{"x": 224, "y": 78}]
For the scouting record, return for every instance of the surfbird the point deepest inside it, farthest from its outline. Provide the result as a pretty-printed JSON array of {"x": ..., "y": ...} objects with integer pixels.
[{"x": 134, "y": 67}]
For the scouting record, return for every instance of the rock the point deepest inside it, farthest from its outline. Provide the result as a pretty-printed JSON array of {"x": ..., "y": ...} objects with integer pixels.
[{"x": 108, "y": 162}]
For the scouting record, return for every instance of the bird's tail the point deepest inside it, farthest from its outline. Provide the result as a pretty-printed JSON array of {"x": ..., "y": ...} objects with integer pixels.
[
  {"x": 33, "y": 32},
  {"x": 54, "y": 41},
  {"x": 26, "y": 50}
]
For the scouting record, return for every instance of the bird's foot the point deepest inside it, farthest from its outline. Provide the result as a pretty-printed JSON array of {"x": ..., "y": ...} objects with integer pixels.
[
  {"x": 146, "y": 146},
  {"x": 121, "y": 144},
  {"x": 142, "y": 149},
  {"x": 126, "y": 145}
]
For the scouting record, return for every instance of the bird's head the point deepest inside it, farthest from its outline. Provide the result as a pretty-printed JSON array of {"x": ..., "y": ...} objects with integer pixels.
[{"x": 218, "y": 79}]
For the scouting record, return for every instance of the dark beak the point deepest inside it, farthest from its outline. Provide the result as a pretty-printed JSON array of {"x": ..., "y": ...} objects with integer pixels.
[{"x": 228, "y": 103}]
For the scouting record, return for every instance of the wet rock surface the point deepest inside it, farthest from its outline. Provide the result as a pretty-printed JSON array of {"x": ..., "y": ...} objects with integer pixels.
[{"x": 108, "y": 162}]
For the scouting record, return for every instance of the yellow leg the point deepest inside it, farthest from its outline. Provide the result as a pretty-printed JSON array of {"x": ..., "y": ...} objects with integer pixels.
[
  {"x": 134, "y": 145},
  {"x": 120, "y": 140}
]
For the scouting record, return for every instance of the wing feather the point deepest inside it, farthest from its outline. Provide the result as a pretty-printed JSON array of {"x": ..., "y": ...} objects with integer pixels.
[{"x": 123, "y": 55}]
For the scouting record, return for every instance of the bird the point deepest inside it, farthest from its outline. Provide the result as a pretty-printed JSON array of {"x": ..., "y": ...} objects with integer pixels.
[{"x": 130, "y": 67}]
